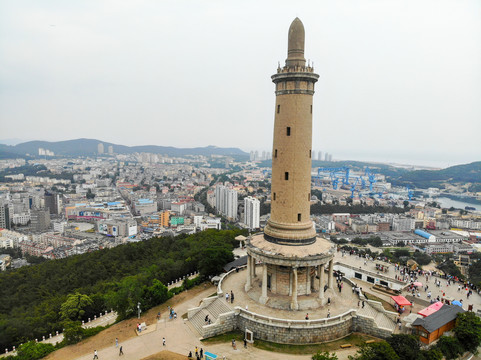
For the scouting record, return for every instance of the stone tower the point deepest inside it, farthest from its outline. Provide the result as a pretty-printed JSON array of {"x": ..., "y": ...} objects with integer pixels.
[
  {"x": 291, "y": 153},
  {"x": 294, "y": 260}
]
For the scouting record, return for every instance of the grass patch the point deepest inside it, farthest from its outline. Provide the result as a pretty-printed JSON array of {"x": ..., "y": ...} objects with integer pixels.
[
  {"x": 356, "y": 339},
  {"x": 212, "y": 295},
  {"x": 385, "y": 304}
]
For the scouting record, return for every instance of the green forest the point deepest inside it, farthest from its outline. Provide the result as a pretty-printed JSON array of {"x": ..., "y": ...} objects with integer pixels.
[{"x": 117, "y": 278}]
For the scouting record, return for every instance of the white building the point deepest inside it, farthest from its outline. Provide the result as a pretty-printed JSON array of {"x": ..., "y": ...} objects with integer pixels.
[
  {"x": 402, "y": 224},
  {"x": 226, "y": 202},
  {"x": 251, "y": 212}
]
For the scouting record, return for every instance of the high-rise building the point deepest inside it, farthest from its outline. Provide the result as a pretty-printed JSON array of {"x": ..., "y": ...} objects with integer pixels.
[
  {"x": 111, "y": 150},
  {"x": 226, "y": 202},
  {"x": 53, "y": 202},
  {"x": 40, "y": 220},
  {"x": 100, "y": 148},
  {"x": 4, "y": 216},
  {"x": 326, "y": 157},
  {"x": 164, "y": 218},
  {"x": 231, "y": 204},
  {"x": 319, "y": 156},
  {"x": 251, "y": 212}
]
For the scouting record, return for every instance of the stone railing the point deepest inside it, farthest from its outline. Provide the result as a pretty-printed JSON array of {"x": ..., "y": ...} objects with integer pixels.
[
  {"x": 205, "y": 302},
  {"x": 179, "y": 281},
  {"x": 378, "y": 306},
  {"x": 294, "y": 323},
  {"x": 223, "y": 276},
  {"x": 58, "y": 335}
]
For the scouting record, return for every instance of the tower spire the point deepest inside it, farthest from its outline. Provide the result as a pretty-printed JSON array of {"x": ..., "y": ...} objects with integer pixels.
[{"x": 295, "y": 46}]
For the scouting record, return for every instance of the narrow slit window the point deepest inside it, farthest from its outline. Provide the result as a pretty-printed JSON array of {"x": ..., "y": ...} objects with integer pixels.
[
  {"x": 286, "y": 175},
  {"x": 288, "y": 131},
  {"x": 311, "y": 109},
  {"x": 298, "y": 217},
  {"x": 310, "y": 153},
  {"x": 278, "y": 109},
  {"x": 274, "y": 196},
  {"x": 309, "y": 197},
  {"x": 275, "y": 153}
]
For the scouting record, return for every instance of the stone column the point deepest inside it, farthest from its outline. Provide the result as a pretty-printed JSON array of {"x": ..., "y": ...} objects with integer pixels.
[
  {"x": 263, "y": 299},
  {"x": 249, "y": 273},
  {"x": 331, "y": 273},
  {"x": 253, "y": 268},
  {"x": 294, "y": 304},
  {"x": 321, "y": 281},
  {"x": 308, "y": 280}
]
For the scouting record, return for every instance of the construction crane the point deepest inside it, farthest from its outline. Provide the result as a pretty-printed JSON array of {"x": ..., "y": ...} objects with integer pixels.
[
  {"x": 410, "y": 193},
  {"x": 371, "y": 176},
  {"x": 333, "y": 174}
]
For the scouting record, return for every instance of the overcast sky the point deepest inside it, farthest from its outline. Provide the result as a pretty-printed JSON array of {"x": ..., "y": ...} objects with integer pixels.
[{"x": 400, "y": 81}]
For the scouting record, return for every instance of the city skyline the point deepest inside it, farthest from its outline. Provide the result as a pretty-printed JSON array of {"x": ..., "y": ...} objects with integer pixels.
[{"x": 399, "y": 80}]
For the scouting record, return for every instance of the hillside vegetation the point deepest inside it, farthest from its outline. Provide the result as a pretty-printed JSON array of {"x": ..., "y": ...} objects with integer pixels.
[{"x": 118, "y": 278}]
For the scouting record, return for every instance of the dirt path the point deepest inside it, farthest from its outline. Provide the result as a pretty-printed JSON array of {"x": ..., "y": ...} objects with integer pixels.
[{"x": 125, "y": 330}]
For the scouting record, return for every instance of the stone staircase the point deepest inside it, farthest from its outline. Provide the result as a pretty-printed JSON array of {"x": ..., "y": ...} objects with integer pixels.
[
  {"x": 214, "y": 309},
  {"x": 380, "y": 319}
]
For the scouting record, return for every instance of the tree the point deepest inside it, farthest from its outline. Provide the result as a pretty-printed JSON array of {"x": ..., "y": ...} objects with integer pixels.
[
  {"x": 73, "y": 307},
  {"x": 431, "y": 354},
  {"x": 73, "y": 332},
  {"x": 405, "y": 203},
  {"x": 468, "y": 330},
  {"x": 449, "y": 347},
  {"x": 406, "y": 346},
  {"x": 375, "y": 351},
  {"x": 32, "y": 350},
  {"x": 324, "y": 356}
]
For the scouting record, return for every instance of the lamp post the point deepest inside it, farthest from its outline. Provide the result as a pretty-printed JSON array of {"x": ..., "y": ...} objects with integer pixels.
[{"x": 138, "y": 308}]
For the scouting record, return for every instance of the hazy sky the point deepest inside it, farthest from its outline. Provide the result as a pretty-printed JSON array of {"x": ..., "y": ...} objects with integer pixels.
[{"x": 399, "y": 80}]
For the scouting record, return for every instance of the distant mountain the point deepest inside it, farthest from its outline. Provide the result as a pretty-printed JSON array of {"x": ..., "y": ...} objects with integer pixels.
[
  {"x": 88, "y": 147},
  {"x": 466, "y": 173}
]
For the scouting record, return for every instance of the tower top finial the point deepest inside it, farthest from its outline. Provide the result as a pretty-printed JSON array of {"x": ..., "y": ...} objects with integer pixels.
[{"x": 295, "y": 47}]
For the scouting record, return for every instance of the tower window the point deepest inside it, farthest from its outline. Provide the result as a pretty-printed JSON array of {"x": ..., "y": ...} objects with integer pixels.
[
  {"x": 309, "y": 197},
  {"x": 310, "y": 153},
  {"x": 298, "y": 217},
  {"x": 288, "y": 131},
  {"x": 286, "y": 175},
  {"x": 278, "y": 109},
  {"x": 311, "y": 109},
  {"x": 275, "y": 153},
  {"x": 274, "y": 196}
]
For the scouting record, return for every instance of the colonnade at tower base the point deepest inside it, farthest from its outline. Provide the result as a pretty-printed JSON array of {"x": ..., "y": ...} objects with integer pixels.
[{"x": 292, "y": 277}]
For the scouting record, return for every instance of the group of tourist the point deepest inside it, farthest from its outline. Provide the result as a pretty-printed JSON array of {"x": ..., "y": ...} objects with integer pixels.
[
  {"x": 199, "y": 354},
  {"x": 229, "y": 297}
]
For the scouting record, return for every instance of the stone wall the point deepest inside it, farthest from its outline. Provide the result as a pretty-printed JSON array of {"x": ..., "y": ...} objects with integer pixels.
[
  {"x": 295, "y": 331},
  {"x": 367, "y": 325},
  {"x": 224, "y": 323}
]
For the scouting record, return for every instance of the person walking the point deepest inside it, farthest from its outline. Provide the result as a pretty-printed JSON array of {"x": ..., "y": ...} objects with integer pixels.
[
  {"x": 201, "y": 352},
  {"x": 116, "y": 342},
  {"x": 163, "y": 341},
  {"x": 96, "y": 356},
  {"x": 121, "y": 352},
  {"x": 245, "y": 343}
]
